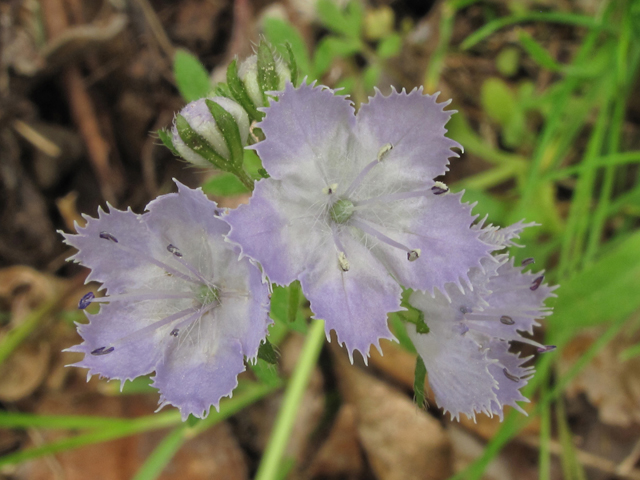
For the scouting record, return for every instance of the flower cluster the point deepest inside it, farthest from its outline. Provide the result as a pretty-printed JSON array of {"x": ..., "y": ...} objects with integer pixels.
[{"x": 352, "y": 209}]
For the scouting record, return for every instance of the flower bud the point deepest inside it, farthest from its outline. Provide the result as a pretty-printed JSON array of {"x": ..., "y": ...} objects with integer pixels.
[
  {"x": 206, "y": 135},
  {"x": 263, "y": 72}
]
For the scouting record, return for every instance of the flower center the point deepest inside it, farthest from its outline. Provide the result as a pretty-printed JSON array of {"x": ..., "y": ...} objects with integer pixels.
[
  {"x": 341, "y": 211},
  {"x": 206, "y": 295}
]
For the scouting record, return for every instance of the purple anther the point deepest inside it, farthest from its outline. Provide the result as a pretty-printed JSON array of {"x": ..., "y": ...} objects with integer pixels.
[
  {"x": 173, "y": 249},
  {"x": 536, "y": 283},
  {"x": 102, "y": 351},
  {"x": 546, "y": 348},
  {"x": 174, "y": 332},
  {"x": 86, "y": 300},
  {"x": 464, "y": 309},
  {"x": 513, "y": 378},
  {"x": 108, "y": 236},
  {"x": 528, "y": 261},
  {"x": 506, "y": 320},
  {"x": 438, "y": 190}
]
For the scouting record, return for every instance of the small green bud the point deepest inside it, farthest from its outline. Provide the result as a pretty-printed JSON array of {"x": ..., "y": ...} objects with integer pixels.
[
  {"x": 264, "y": 72},
  {"x": 211, "y": 132}
]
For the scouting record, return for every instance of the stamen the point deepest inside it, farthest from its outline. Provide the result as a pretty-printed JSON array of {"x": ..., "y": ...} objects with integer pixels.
[
  {"x": 465, "y": 310},
  {"x": 511, "y": 377},
  {"x": 392, "y": 197},
  {"x": 439, "y": 188},
  {"x": 528, "y": 261},
  {"x": 386, "y": 148},
  {"x": 358, "y": 180},
  {"x": 546, "y": 348},
  {"x": 108, "y": 236},
  {"x": 158, "y": 263},
  {"x": 380, "y": 236},
  {"x": 330, "y": 189},
  {"x": 173, "y": 249},
  {"x": 506, "y": 320},
  {"x": 143, "y": 332},
  {"x": 174, "y": 332},
  {"x": 102, "y": 351},
  {"x": 413, "y": 255},
  {"x": 343, "y": 262},
  {"x": 85, "y": 301},
  {"x": 178, "y": 256},
  {"x": 536, "y": 283}
]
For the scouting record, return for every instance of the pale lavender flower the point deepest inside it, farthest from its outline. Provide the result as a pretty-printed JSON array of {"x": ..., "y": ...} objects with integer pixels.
[
  {"x": 179, "y": 302},
  {"x": 352, "y": 208},
  {"x": 466, "y": 351}
]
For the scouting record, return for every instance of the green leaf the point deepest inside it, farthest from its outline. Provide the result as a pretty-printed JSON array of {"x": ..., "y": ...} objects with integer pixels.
[
  {"x": 390, "y": 46},
  {"x": 224, "y": 185},
  {"x": 371, "y": 76},
  {"x": 537, "y": 52},
  {"x": 498, "y": 101},
  {"x": 399, "y": 329},
  {"x": 280, "y": 33},
  {"x": 199, "y": 144},
  {"x": 419, "y": 378},
  {"x": 240, "y": 92},
  {"x": 508, "y": 61},
  {"x": 604, "y": 292},
  {"x": 267, "y": 353},
  {"x": 230, "y": 131},
  {"x": 266, "y": 372},
  {"x": 191, "y": 77},
  {"x": 336, "y": 20},
  {"x": 330, "y": 48},
  {"x": 280, "y": 310}
]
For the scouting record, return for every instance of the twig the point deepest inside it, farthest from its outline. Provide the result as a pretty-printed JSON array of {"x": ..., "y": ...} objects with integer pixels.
[
  {"x": 587, "y": 459},
  {"x": 38, "y": 140},
  {"x": 156, "y": 27},
  {"x": 82, "y": 109}
]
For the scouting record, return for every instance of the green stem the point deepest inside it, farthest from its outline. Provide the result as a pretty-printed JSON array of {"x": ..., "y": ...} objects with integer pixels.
[
  {"x": 246, "y": 180},
  {"x": 269, "y": 466}
]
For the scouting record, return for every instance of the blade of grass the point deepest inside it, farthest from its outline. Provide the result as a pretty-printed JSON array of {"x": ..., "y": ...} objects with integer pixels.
[
  {"x": 434, "y": 69},
  {"x": 571, "y": 466},
  {"x": 544, "y": 456},
  {"x": 551, "y": 17},
  {"x": 272, "y": 458}
]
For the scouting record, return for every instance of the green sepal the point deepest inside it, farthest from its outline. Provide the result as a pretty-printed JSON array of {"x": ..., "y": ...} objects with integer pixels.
[
  {"x": 267, "y": 74},
  {"x": 267, "y": 352},
  {"x": 263, "y": 173},
  {"x": 292, "y": 64},
  {"x": 419, "y": 378},
  {"x": 192, "y": 421},
  {"x": 165, "y": 137},
  {"x": 230, "y": 131},
  {"x": 200, "y": 145},
  {"x": 239, "y": 92},
  {"x": 221, "y": 90}
]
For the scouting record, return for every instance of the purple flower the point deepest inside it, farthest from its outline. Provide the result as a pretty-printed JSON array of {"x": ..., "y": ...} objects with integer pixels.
[
  {"x": 178, "y": 302},
  {"x": 466, "y": 351},
  {"x": 352, "y": 208}
]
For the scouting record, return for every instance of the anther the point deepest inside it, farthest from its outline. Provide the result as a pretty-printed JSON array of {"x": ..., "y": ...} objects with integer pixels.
[
  {"x": 506, "y": 320},
  {"x": 528, "y": 261},
  {"x": 413, "y": 255},
  {"x": 511, "y": 377},
  {"x": 464, "y": 309},
  {"x": 343, "y": 262},
  {"x": 173, "y": 249},
  {"x": 536, "y": 283},
  {"x": 108, "y": 236},
  {"x": 86, "y": 300},
  {"x": 546, "y": 348},
  {"x": 330, "y": 189},
  {"x": 102, "y": 351},
  {"x": 439, "y": 188},
  {"x": 386, "y": 148},
  {"x": 174, "y": 332}
]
